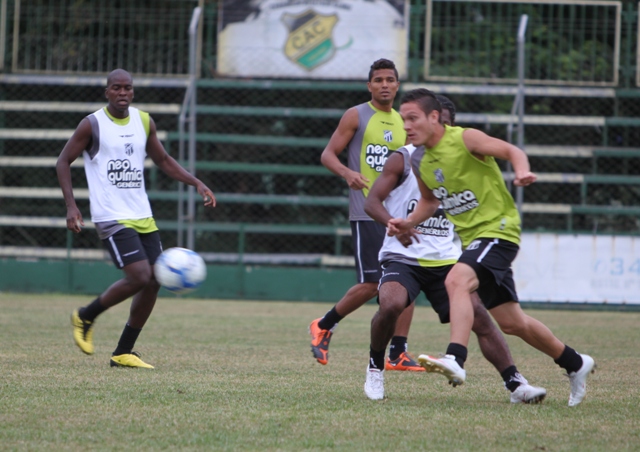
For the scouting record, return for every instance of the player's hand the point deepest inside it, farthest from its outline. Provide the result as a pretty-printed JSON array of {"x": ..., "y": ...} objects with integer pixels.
[
  {"x": 207, "y": 195},
  {"x": 397, "y": 226},
  {"x": 74, "y": 220},
  {"x": 406, "y": 239},
  {"x": 357, "y": 181},
  {"x": 524, "y": 179}
]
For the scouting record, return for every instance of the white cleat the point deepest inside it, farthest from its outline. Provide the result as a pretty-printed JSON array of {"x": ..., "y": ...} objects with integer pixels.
[
  {"x": 446, "y": 365},
  {"x": 525, "y": 393},
  {"x": 374, "y": 384},
  {"x": 578, "y": 380}
]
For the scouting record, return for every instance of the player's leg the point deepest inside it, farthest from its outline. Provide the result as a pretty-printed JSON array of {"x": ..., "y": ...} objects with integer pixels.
[
  {"x": 399, "y": 357},
  {"x": 514, "y": 321},
  {"x": 127, "y": 253},
  {"x": 484, "y": 261},
  {"x": 141, "y": 307},
  {"x": 392, "y": 300},
  {"x": 432, "y": 282},
  {"x": 396, "y": 287},
  {"x": 495, "y": 350},
  {"x": 460, "y": 283},
  {"x": 498, "y": 293},
  {"x": 367, "y": 238}
]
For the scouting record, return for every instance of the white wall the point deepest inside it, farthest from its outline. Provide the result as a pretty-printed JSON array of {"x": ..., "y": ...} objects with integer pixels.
[{"x": 578, "y": 268}]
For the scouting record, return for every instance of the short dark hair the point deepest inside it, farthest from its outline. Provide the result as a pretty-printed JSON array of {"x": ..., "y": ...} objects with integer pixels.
[
  {"x": 382, "y": 63},
  {"x": 425, "y": 99},
  {"x": 447, "y": 104}
]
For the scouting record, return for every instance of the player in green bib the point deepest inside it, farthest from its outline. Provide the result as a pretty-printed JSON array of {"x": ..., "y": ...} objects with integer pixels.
[{"x": 456, "y": 167}]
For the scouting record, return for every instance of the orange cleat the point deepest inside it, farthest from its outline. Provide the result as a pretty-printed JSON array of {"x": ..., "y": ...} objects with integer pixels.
[
  {"x": 320, "y": 342},
  {"x": 404, "y": 362}
]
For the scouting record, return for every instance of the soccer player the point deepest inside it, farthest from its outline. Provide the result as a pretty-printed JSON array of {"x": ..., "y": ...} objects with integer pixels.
[
  {"x": 410, "y": 265},
  {"x": 370, "y": 132},
  {"x": 114, "y": 142},
  {"x": 456, "y": 168}
]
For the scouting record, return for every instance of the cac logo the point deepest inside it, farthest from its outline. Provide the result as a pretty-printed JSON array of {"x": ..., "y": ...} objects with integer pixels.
[{"x": 310, "y": 40}]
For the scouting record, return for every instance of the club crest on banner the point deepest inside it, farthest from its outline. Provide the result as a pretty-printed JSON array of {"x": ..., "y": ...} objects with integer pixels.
[{"x": 310, "y": 41}]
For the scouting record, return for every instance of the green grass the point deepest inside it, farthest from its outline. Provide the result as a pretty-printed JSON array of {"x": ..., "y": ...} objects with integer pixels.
[{"x": 237, "y": 375}]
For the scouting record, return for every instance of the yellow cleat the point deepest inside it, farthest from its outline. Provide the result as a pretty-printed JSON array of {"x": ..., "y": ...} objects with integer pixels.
[
  {"x": 82, "y": 333},
  {"x": 129, "y": 360}
]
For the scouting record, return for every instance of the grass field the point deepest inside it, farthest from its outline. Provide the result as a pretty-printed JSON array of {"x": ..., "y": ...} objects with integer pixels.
[{"x": 238, "y": 375}]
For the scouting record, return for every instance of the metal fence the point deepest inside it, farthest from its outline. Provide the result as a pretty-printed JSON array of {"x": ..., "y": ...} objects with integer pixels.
[
  {"x": 577, "y": 42},
  {"x": 85, "y": 37},
  {"x": 258, "y": 146},
  {"x": 570, "y": 42}
]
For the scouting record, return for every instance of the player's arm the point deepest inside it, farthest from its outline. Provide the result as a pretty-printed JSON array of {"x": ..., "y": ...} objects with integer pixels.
[
  {"x": 339, "y": 140},
  {"x": 172, "y": 168},
  {"x": 383, "y": 185},
  {"x": 79, "y": 141},
  {"x": 478, "y": 142},
  {"x": 426, "y": 207},
  {"x": 387, "y": 180}
]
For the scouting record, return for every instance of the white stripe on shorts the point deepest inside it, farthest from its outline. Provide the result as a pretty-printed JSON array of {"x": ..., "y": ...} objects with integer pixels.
[
  {"x": 358, "y": 255},
  {"x": 116, "y": 253},
  {"x": 486, "y": 250}
]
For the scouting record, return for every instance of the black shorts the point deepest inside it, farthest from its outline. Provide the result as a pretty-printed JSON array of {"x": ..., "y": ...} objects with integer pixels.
[
  {"x": 367, "y": 238},
  {"x": 415, "y": 278},
  {"x": 128, "y": 246},
  {"x": 491, "y": 259}
]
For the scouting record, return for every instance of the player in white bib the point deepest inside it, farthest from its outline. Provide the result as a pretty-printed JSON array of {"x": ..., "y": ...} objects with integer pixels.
[
  {"x": 114, "y": 142},
  {"x": 410, "y": 266}
]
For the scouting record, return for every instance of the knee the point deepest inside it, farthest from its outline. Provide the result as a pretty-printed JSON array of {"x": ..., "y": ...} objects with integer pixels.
[
  {"x": 512, "y": 327},
  {"x": 390, "y": 309},
  {"x": 141, "y": 277},
  {"x": 454, "y": 283}
]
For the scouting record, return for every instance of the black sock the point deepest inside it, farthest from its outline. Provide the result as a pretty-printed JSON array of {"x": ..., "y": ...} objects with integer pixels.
[
  {"x": 569, "y": 360},
  {"x": 92, "y": 310},
  {"x": 397, "y": 347},
  {"x": 330, "y": 319},
  {"x": 376, "y": 359},
  {"x": 507, "y": 376},
  {"x": 459, "y": 351},
  {"x": 127, "y": 340}
]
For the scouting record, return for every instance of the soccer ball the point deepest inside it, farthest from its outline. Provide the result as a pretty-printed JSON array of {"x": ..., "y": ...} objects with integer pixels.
[{"x": 180, "y": 270}]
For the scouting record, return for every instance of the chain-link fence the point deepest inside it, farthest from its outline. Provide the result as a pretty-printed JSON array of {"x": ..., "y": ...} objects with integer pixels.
[{"x": 259, "y": 143}]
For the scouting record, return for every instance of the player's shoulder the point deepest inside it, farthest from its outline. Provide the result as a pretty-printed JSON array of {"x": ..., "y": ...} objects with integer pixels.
[{"x": 351, "y": 116}]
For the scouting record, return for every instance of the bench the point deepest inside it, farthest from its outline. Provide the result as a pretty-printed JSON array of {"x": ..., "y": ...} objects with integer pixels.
[{"x": 242, "y": 229}]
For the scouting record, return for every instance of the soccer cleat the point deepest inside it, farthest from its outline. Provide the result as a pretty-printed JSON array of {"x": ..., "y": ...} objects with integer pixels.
[
  {"x": 446, "y": 365},
  {"x": 320, "y": 342},
  {"x": 82, "y": 333},
  {"x": 525, "y": 393},
  {"x": 578, "y": 380},
  {"x": 404, "y": 362},
  {"x": 129, "y": 360},
  {"x": 374, "y": 384}
]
